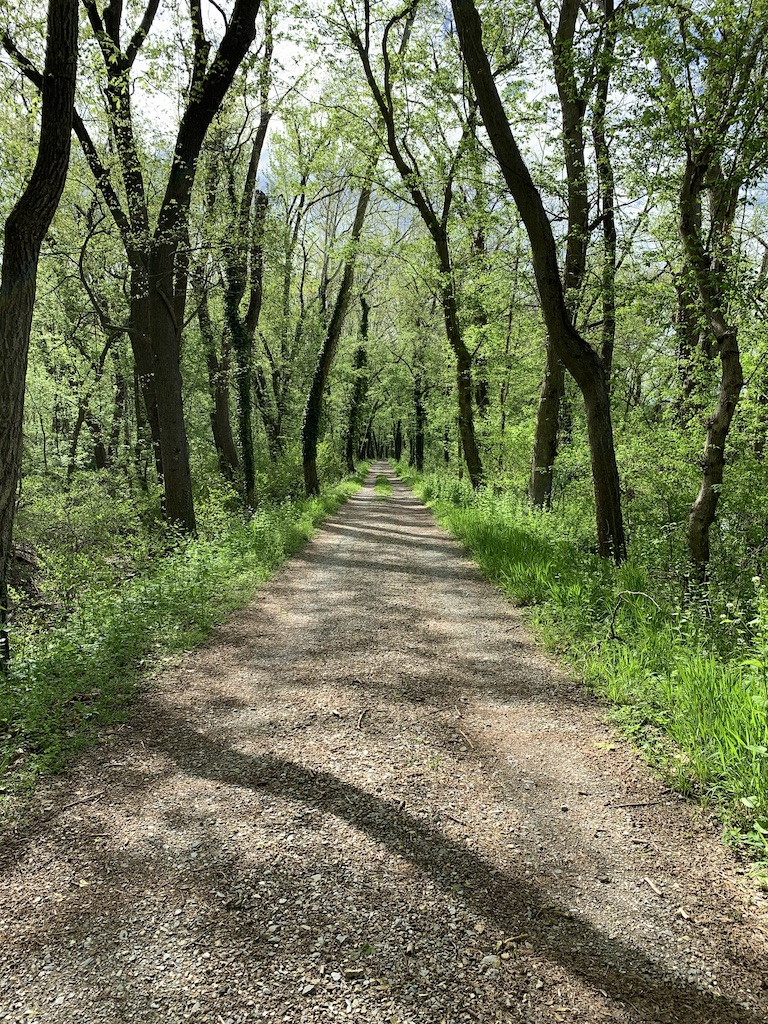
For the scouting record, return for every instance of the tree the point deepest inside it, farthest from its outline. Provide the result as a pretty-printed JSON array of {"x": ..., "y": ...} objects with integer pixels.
[
  {"x": 579, "y": 358},
  {"x": 158, "y": 257},
  {"x": 434, "y": 212},
  {"x": 574, "y": 96},
  {"x": 310, "y": 430},
  {"x": 25, "y": 229},
  {"x": 718, "y": 118}
]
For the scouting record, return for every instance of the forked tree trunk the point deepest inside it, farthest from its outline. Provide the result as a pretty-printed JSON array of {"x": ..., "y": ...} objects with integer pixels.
[
  {"x": 25, "y": 230},
  {"x": 573, "y": 104},
  {"x": 437, "y": 225}
]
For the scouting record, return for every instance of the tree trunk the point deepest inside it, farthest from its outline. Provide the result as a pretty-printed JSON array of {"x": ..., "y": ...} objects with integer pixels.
[
  {"x": 572, "y": 109},
  {"x": 166, "y": 345},
  {"x": 218, "y": 388},
  {"x": 141, "y": 346},
  {"x": 310, "y": 429},
  {"x": 25, "y": 230},
  {"x": 581, "y": 361},
  {"x": 606, "y": 187},
  {"x": 438, "y": 230},
  {"x": 547, "y": 426},
  {"x": 703, "y": 511},
  {"x": 420, "y": 416},
  {"x": 360, "y": 387},
  {"x": 398, "y": 440},
  {"x": 708, "y": 275}
]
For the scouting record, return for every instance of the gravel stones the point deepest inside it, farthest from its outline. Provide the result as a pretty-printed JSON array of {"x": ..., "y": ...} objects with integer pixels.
[{"x": 371, "y": 798}]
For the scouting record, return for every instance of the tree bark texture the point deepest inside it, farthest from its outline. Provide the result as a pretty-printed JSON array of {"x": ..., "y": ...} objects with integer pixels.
[
  {"x": 581, "y": 361},
  {"x": 25, "y": 230}
]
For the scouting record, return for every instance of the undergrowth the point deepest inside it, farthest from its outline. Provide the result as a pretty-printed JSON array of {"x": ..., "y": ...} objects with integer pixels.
[
  {"x": 688, "y": 682},
  {"x": 77, "y": 663}
]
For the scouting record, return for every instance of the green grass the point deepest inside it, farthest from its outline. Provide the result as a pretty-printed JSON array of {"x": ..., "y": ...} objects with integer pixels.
[
  {"x": 382, "y": 487},
  {"x": 689, "y": 687},
  {"x": 76, "y": 675}
]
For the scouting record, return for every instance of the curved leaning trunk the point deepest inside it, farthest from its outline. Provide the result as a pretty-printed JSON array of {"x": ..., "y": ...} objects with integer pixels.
[{"x": 578, "y": 357}]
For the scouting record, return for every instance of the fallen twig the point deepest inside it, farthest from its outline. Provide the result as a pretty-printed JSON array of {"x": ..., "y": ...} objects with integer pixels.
[
  {"x": 76, "y": 803},
  {"x": 642, "y": 803},
  {"x": 653, "y": 886},
  {"x": 466, "y": 739},
  {"x": 363, "y": 713}
]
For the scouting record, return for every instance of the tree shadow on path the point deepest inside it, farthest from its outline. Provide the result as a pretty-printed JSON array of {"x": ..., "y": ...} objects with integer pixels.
[{"x": 515, "y": 904}]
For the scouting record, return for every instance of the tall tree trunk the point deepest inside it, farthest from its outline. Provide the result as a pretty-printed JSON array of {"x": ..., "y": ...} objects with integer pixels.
[
  {"x": 218, "y": 388},
  {"x": 25, "y": 230},
  {"x": 709, "y": 273},
  {"x": 606, "y": 187},
  {"x": 420, "y": 416},
  {"x": 310, "y": 429},
  {"x": 547, "y": 425},
  {"x": 688, "y": 337},
  {"x": 141, "y": 346},
  {"x": 361, "y": 384},
  {"x": 572, "y": 109},
  {"x": 398, "y": 440},
  {"x": 581, "y": 361},
  {"x": 166, "y": 345},
  {"x": 436, "y": 224}
]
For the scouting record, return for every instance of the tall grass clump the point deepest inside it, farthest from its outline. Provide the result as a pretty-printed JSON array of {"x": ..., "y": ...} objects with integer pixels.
[
  {"x": 76, "y": 664},
  {"x": 686, "y": 671}
]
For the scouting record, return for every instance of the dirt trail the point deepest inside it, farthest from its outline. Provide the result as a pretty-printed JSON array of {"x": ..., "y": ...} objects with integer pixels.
[{"x": 371, "y": 798}]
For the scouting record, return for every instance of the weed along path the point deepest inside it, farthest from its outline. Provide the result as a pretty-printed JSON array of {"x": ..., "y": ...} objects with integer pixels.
[{"x": 371, "y": 798}]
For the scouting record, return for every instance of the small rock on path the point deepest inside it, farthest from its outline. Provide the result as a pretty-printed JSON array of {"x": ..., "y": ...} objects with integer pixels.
[{"x": 371, "y": 798}]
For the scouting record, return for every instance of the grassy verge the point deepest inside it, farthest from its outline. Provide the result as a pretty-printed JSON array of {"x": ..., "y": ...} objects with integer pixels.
[
  {"x": 690, "y": 688},
  {"x": 72, "y": 678}
]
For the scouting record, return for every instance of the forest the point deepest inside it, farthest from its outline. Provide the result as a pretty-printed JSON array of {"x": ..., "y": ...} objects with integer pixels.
[{"x": 519, "y": 249}]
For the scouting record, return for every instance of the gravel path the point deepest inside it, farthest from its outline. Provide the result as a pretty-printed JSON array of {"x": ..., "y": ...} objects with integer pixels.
[{"x": 371, "y": 798}]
